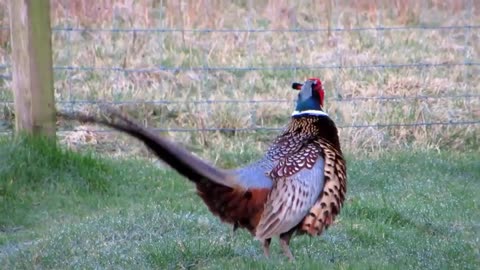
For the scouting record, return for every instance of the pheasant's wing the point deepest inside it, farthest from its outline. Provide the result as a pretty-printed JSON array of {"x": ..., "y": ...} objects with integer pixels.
[
  {"x": 330, "y": 201},
  {"x": 288, "y": 144},
  {"x": 298, "y": 180}
]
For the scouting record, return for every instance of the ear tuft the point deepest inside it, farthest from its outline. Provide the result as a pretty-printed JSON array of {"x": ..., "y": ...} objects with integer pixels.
[{"x": 297, "y": 86}]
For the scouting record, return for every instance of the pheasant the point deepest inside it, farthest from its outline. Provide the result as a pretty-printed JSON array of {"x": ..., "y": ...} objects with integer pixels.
[{"x": 297, "y": 187}]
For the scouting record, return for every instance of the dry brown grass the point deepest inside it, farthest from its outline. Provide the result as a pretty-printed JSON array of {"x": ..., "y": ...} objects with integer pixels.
[{"x": 183, "y": 50}]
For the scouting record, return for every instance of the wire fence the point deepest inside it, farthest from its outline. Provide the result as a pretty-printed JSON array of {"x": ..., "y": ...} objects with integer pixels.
[{"x": 453, "y": 63}]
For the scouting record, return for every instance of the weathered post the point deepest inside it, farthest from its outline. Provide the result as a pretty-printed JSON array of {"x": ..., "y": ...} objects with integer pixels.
[{"x": 32, "y": 66}]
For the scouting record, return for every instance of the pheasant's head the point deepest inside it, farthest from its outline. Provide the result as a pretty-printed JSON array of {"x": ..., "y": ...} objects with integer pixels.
[{"x": 310, "y": 97}]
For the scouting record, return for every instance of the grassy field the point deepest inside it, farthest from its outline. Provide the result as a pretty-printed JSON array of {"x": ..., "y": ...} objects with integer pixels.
[{"x": 60, "y": 209}]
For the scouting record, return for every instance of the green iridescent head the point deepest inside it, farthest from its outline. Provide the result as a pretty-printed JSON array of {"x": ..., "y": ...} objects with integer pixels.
[{"x": 311, "y": 95}]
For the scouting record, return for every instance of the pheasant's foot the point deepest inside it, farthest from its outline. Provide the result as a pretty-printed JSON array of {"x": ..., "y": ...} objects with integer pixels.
[
  {"x": 266, "y": 247},
  {"x": 284, "y": 243}
]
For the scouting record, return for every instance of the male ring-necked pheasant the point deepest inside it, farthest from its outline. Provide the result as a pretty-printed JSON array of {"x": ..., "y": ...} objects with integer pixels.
[{"x": 298, "y": 186}]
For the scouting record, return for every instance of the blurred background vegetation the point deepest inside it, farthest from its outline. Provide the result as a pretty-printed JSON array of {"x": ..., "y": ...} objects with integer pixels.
[{"x": 396, "y": 72}]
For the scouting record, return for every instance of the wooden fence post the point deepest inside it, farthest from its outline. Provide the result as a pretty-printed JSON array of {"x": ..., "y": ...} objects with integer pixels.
[{"x": 32, "y": 67}]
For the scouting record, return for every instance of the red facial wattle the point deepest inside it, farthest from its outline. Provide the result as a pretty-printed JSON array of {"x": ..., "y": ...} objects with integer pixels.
[{"x": 319, "y": 88}]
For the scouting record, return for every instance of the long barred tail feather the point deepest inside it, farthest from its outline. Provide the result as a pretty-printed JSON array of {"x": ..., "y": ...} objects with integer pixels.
[
  {"x": 219, "y": 189},
  {"x": 178, "y": 158}
]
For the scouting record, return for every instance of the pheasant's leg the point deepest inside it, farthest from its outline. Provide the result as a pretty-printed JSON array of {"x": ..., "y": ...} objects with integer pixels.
[
  {"x": 284, "y": 242},
  {"x": 266, "y": 247}
]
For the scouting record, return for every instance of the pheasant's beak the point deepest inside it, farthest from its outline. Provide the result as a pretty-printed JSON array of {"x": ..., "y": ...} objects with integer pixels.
[{"x": 297, "y": 86}]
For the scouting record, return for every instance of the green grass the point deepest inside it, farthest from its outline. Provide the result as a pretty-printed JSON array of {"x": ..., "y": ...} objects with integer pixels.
[{"x": 64, "y": 210}]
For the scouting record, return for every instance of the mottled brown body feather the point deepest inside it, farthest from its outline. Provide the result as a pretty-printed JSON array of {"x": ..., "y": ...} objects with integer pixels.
[
  {"x": 239, "y": 207},
  {"x": 321, "y": 137}
]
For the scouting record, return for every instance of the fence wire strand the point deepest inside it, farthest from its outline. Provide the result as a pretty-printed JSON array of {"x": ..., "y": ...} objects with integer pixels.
[{"x": 466, "y": 94}]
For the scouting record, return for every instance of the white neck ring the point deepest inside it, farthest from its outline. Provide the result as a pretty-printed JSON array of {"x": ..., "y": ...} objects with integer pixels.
[{"x": 310, "y": 112}]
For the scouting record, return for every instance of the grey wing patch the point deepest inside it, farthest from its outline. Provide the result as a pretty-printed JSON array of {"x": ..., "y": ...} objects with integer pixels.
[
  {"x": 254, "y": 175},
  {"x": 290, "y": 200}
]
